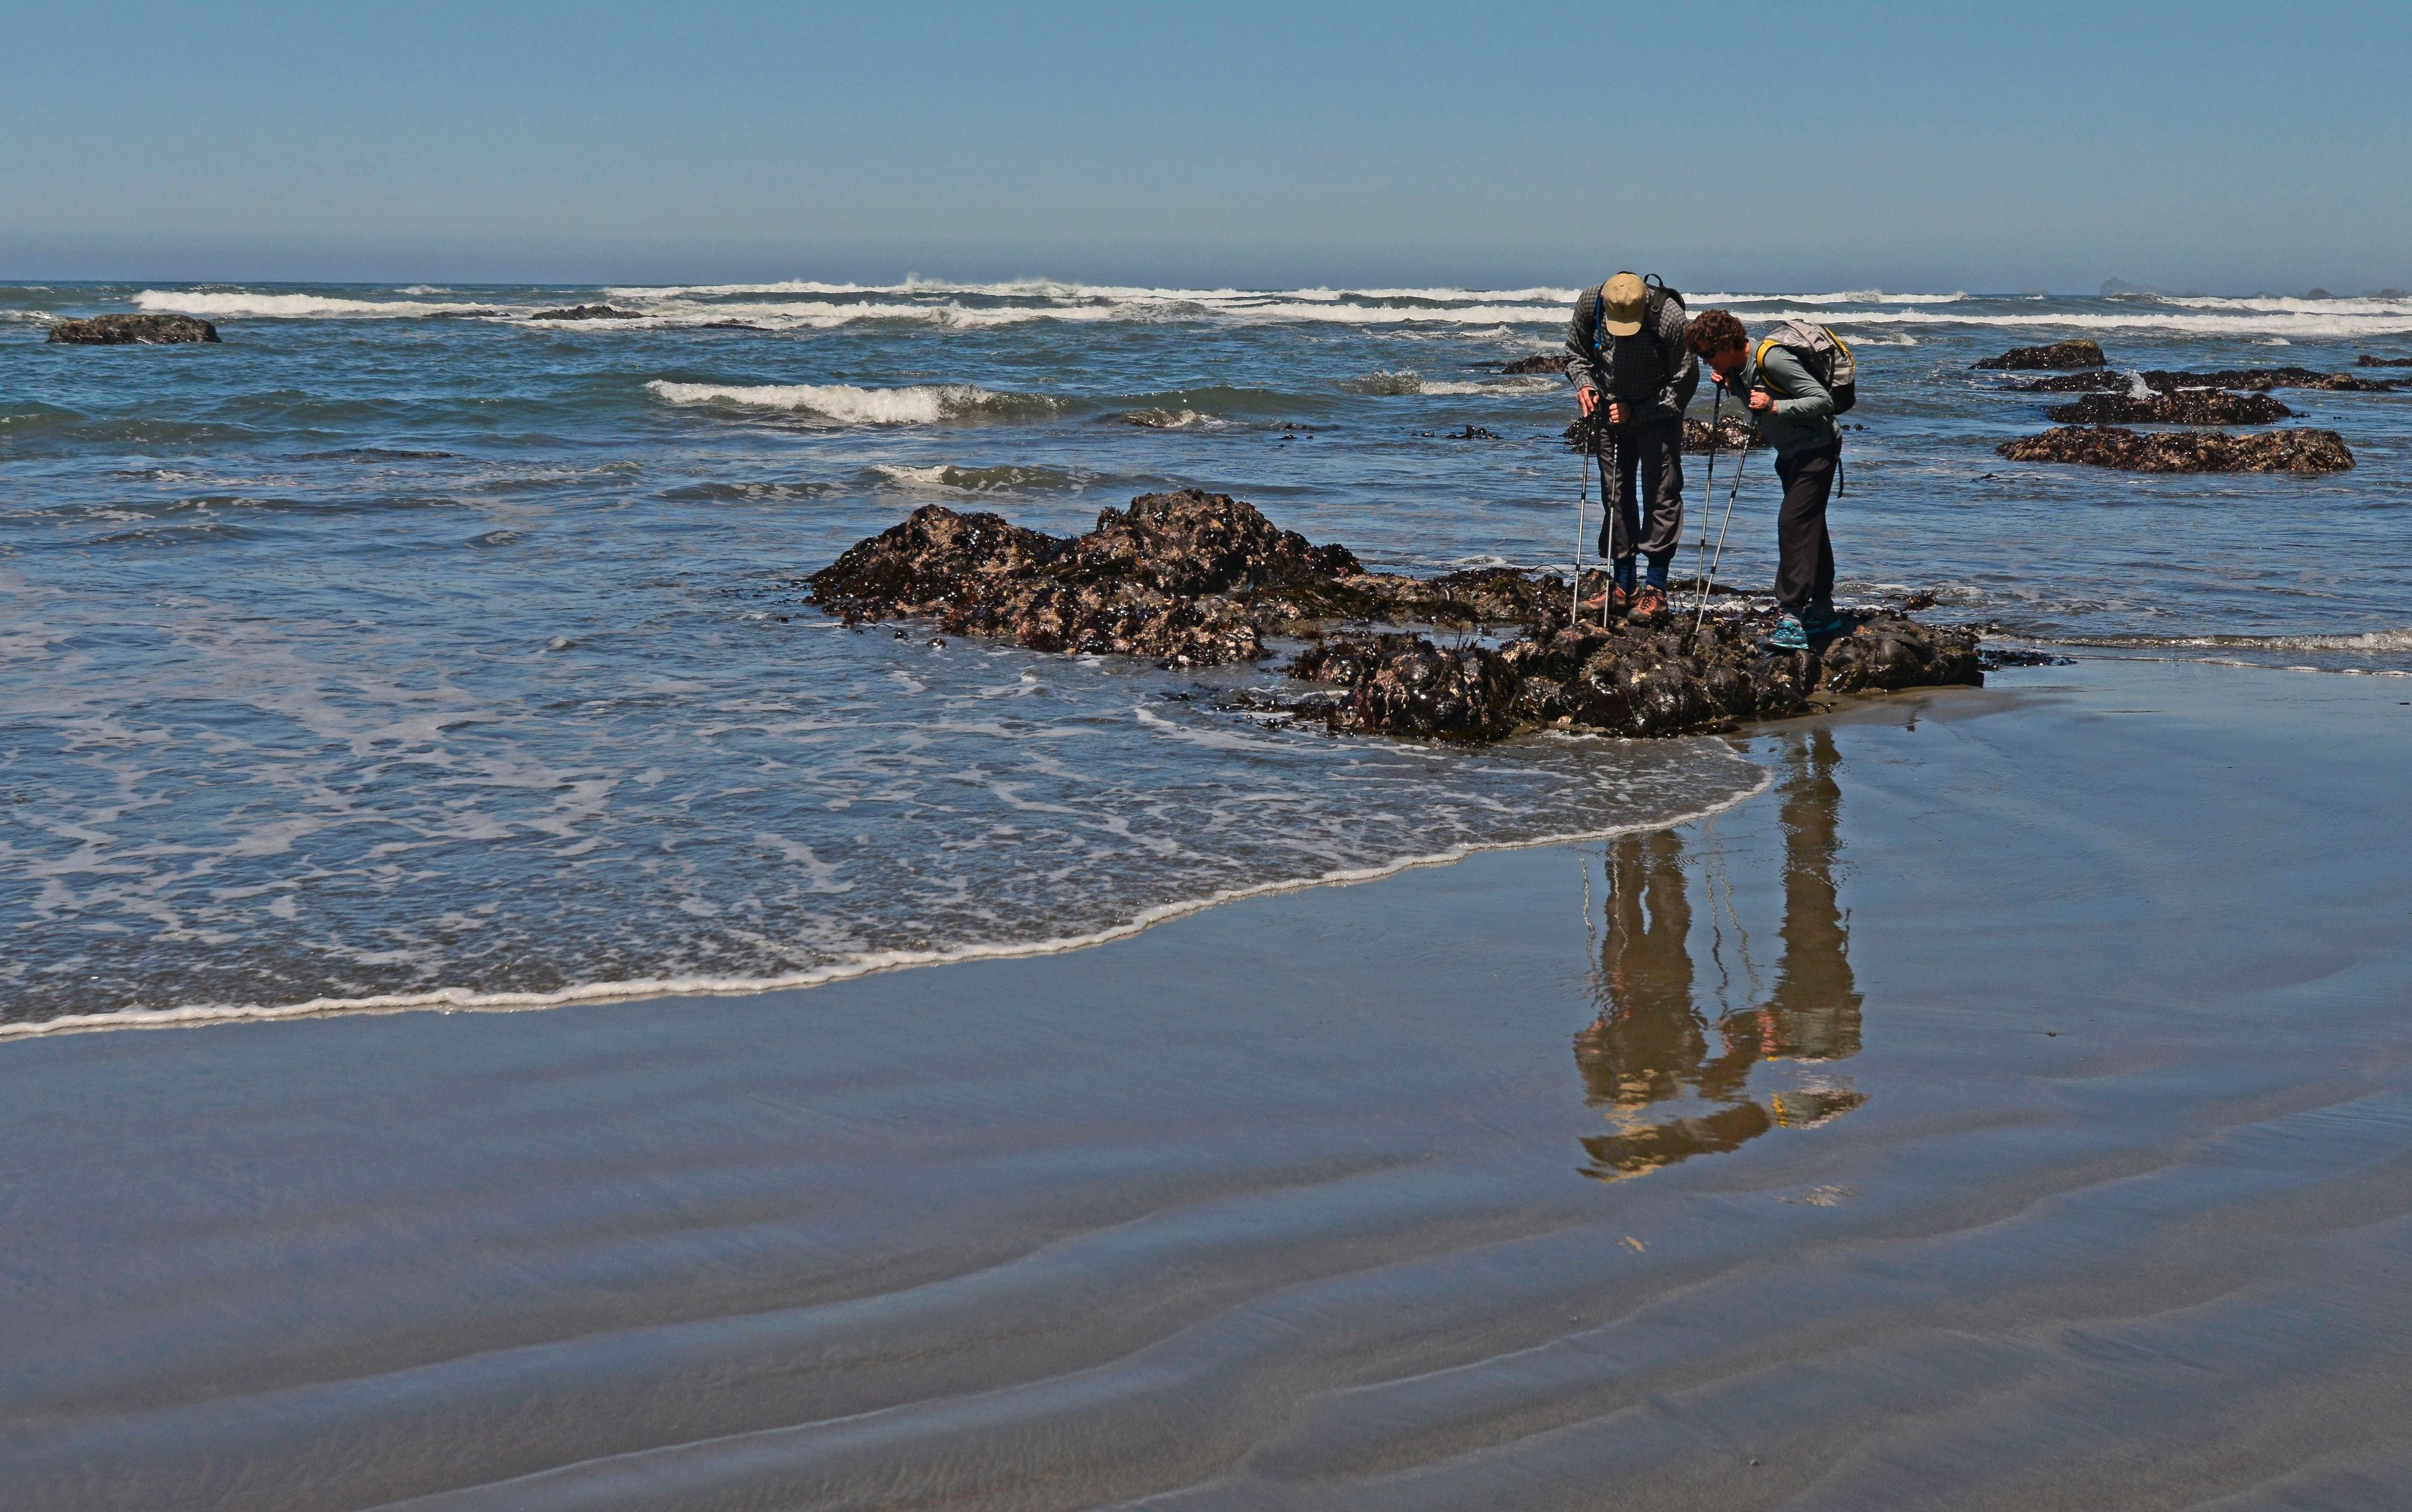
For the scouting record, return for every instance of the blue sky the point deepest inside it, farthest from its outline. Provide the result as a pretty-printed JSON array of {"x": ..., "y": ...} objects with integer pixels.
[{"x": 2224, "y": 147}]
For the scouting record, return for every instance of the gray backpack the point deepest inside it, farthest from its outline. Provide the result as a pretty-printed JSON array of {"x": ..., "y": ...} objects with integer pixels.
[{"x": 1822, "y": 352}]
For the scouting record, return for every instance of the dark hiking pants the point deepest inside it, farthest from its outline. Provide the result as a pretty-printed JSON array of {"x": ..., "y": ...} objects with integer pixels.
[
  {"x": 1804, "y": 571},
  {"x": 1655, "y": 452}
]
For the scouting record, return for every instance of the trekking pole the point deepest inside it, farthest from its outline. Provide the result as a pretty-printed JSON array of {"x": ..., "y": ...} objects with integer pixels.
[
  {"x": 1708, "y": 491},
  {"x": 1616, "y": 474},
  {"x": 1719, "y": 555},
  {"x": 1583, "y": 501}
]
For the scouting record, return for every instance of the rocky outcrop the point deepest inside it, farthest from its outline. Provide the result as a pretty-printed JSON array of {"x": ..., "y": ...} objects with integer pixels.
[
  {"x": 1733, "y": 433},
  {"x": 1193, "y": 579},
  {"x": 2366, "y": 360},
  {"x": 1538, "y": 362},
  {"x": 2067, "y": 353},
  {"x": 599, "y": 312},
  {"x": 2185, "y": 406},
  {"x": 2185, "y": 451},
  {"x": 2161, "y": 380},
  {"x": 133, "y": 330}
]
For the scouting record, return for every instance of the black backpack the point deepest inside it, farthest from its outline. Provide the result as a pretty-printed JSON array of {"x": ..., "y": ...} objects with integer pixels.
[{"x": 1654, "y": 300}]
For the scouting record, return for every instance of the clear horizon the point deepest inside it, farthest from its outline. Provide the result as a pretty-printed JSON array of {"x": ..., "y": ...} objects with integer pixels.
[{"x": 2232, "y": 149}]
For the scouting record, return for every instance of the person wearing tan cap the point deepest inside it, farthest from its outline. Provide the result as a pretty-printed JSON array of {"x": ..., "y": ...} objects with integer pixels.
[{"x": 1624, "y": 350}]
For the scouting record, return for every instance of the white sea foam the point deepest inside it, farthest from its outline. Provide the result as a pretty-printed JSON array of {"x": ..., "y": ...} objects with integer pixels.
[
  {"x": 2368, "y": 643},
  {"x": 861, "y": 964},
  {"x": 2127, "y": 317},
  {"x": 921, "y": 405},
  {"x": 237, "y": 304}
]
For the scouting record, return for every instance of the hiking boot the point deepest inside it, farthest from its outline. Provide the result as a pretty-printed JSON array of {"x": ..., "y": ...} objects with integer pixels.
[
  {"x": 1649, "y": 605},
  {"x": 1789, "y": 634},
  {"x": 1822, "y": 620},
  {"x": 1615, "y": 602}
]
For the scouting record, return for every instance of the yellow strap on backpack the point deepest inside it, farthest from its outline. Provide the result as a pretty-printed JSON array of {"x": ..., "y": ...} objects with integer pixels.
[{"x": 1758, "y": 359}]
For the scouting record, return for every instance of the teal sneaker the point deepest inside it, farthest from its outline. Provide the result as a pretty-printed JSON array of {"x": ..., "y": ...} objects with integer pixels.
[
  {"x": 1789, "y": 634},
  {"x": 1819, "y": 623}
]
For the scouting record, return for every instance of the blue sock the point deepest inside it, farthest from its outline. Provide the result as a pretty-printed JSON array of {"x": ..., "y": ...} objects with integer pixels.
[
  {"x": 1658, "y": 576},
  {"x": 1625, "y": 575}
]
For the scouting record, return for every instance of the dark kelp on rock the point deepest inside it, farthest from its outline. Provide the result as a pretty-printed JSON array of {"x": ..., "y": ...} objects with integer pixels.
[
  {"x": 2068, "y": 354},
  {"x": 1194, "y": 579},
  {"x": 2182, "y": 406},
  {"x": 133, "y": 330},
  {"x": 2185, "y": 451},
  {"x": 2161, "y": 380},
  {"x": 1733, "y": 433}
]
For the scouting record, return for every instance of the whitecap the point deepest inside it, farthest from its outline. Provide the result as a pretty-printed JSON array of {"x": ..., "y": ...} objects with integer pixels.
[
  {"x": 919, "y": 404},
  {"x": 240, "y": 303}
]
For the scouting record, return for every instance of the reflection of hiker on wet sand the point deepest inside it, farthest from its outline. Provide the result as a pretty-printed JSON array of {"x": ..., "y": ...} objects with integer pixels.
[{"x": 1652, "y": 1044}]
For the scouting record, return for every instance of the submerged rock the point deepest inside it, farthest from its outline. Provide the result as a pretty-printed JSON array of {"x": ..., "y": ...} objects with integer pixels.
[
  {"x": 2161, "y": 380},
  {"x": 133, "y": 330},
  {"x": 2185, "y": 407},
  {"x": 2067, "y": 353},
  {"x": 2185, "y": 451},
  {"x": 1195, "y": 578},
  {"x": 590, "y": 312}
]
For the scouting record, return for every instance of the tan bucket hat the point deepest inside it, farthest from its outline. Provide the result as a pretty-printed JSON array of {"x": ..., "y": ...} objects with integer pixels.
[{"x": 1620, "y": 311}]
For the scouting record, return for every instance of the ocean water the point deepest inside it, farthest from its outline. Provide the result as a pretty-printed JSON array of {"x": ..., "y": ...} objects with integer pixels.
[{"x": 405, "y": 650}]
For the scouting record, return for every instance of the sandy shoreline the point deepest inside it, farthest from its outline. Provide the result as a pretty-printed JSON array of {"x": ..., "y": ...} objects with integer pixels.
[{"x": 2009, "y": 1107}]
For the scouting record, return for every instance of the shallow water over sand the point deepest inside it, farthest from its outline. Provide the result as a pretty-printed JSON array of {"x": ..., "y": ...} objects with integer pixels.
[
  {"x": 2009, "y": 1107},
  {"x": 405, "y": 647}
]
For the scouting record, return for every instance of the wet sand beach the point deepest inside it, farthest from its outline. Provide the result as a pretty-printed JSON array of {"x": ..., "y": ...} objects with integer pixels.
[{"x": 2008, "y": 1107}]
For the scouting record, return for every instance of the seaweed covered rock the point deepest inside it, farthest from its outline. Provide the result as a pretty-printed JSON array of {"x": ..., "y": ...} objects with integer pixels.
[
  {"x": 1403, "y": 685},
  {"x": 2184, "y": 406},
  {"x": 1192, "y": 542},
  {"x": 2067, "y": 353},
  {"x": 2185, "y": 451},
  {"x": 1538, "y": 362},
  {"x": 133, "y": 330},
  {"x": 1733, "y": 433},
  {"x": 587, "y": 312},
  {"x": 2162, "y": 380},
  {"x": 1623, "y": 679},
  {"x": 2366, "y": 360},
  {"x": 1194, "y": 579}
]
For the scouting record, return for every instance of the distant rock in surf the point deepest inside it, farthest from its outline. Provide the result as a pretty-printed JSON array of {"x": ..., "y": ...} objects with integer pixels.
[
  {"x": 2185, "y": 451},
  {"x": 2366, "y": 360},
  {"x": 585, "y": 312},
  {"x": 2161, "y": 380},
  {"x": 2182, "y": 406},
  {"x": 133, "y": 330},
  {"x": 2067, "y": 353},
  {"x": 1194, "y": 579},
  {"x": 1538, "y": 362}
]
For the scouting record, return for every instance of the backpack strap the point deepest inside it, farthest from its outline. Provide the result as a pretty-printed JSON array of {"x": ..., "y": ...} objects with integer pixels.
[{"x": 1759, "y": 357}]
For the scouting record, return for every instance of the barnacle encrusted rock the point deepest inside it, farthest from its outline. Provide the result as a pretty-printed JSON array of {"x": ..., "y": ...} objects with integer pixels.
[
  {"x": 2182, "y": 406},
  {"x": 2162, "y": 380},
  {"x": 133, "y": 330},
  {"x": 2185, "y": 451},
  {"x": 1195, "y": 578},
  {"x": 2068, "y": 354}
]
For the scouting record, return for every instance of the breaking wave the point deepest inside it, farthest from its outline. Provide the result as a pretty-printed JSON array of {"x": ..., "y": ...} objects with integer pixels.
[
  {"x": 2368, "y": 643},
  {"x": 921, "y": 405},
  {"x": 239, "y": 305}
]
